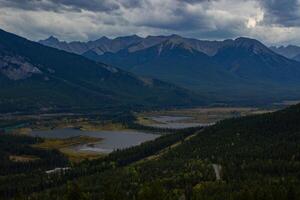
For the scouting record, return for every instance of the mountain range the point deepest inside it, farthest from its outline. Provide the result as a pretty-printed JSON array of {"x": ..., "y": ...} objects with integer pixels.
[
  {"x": 242, "y": 70},
  {"x": 35, "y": 77},
  {"x": 99, "y": 46}
]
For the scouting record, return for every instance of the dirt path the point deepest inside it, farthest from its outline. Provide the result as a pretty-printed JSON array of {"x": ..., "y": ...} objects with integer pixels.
[{"x": 217, "y": 168}]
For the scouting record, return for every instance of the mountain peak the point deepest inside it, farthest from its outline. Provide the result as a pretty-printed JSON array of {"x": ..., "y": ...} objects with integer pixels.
[
  {"x": 130, "y": 37},
  {"x": 102, "y": 39},
  {"x": 251, "y": 44},
  {"x": 175, "y": 36},
  {"x": 246, "y": 40},
  {"x": 175, "y": 42},
  {"x": 52, "y": 39},
  {"x": 135, "y": 36}
]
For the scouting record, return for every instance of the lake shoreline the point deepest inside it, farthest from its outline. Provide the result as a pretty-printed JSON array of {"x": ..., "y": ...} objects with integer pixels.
[{"x": 110, "y": 140}]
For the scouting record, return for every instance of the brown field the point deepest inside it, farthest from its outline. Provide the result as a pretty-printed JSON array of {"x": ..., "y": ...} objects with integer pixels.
[
  {"x": 63, "y": 143},
  {"x": 80, "y": 123},
  {"x": 65, "y": 146},
  {"x": 22, "y": 158},
  {"x": 202, "y": 115}
]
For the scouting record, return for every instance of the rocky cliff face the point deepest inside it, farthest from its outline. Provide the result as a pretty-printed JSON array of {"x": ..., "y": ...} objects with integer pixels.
[{"x": 17, "y": 68}]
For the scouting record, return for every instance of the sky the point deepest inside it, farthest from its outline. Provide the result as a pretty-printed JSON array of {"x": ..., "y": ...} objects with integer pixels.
[{"x": 274, "y": 22}]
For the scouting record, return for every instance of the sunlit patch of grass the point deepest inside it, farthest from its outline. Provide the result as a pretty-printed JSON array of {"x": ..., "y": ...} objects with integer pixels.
[
  {"x": 80, "y": 123},
  {"x": 201, "y": 115},
  {"x": 144, "y": 120},
  {"x": 87, "y": 126},
  {"x": 21, "y": 131},
  {"x": 66, "y": 147}
]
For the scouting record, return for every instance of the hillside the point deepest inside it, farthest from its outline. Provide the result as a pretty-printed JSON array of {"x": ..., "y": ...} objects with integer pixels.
[{"x": 39, "y": 78}]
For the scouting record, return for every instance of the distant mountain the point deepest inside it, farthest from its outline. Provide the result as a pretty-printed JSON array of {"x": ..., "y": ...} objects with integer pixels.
[
  {"x": 290, "y": 51},
  {"x": 132, "y": 43},
  {"x": 243, "y": 69},
  {"x": 249, "y": 59},
  {"x": 34, "y": 77},
  {"x": 99, "y": 46},
  {"x": 170, "y": 60},
  {"x": 238, "y": 69}
]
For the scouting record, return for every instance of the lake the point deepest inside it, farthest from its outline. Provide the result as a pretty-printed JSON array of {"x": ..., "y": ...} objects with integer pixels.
[{"x": 112, "y": 140}]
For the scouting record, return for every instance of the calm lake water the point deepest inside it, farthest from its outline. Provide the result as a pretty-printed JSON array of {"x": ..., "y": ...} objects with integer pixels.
[
  {"x": 174, "y": 122},
  {"x": 112, "y": 140}
]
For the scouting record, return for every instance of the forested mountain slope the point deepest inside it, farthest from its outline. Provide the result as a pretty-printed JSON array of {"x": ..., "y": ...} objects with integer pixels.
[{"x": 254, "y": 157}]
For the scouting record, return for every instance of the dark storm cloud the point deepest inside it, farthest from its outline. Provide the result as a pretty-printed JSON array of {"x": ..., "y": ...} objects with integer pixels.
[
  {"x": 146, "y": 16},
  {"x": 132, "y": 3},
  {"x": 207, "y": 19},
  {"x": 91, "y": 5},
  {"x": 178, "y": 18},
  {"x": 198, "y": 1},
  {"x": 60, "y": 5},
  {"x": 29, "y": 5},
  {"x": 283, "y": 12}
]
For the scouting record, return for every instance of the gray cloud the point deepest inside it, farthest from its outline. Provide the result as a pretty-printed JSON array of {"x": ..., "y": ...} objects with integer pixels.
[
  {"x": 132, "y": 3},
  {"x": 274, "y": 21},
  {"x": 60, "y": 5},
  {"x": 285, "y": 13},
  {"x": 29, "y": 5},
  {"x": 91, "y": 5},
  {"x": 175, "y": 18}
]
